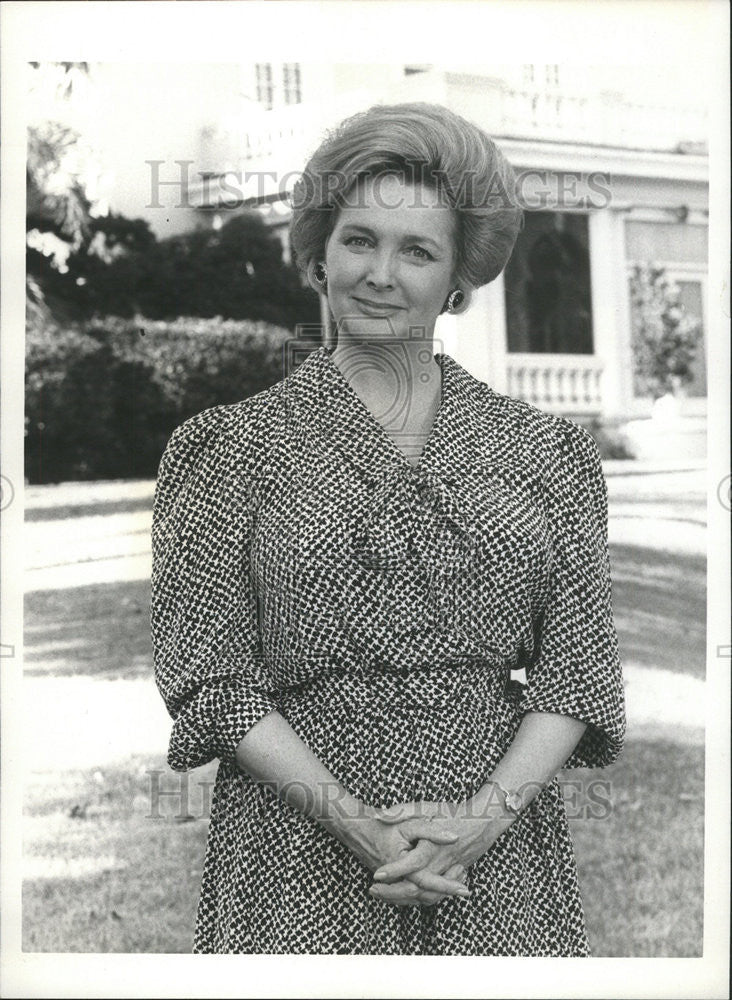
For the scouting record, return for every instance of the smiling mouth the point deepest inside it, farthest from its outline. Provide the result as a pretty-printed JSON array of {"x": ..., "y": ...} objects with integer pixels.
[{"x": 381, "y": 307}]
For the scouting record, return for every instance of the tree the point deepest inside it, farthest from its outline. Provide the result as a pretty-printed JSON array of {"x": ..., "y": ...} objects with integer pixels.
[
  {"x": 60, "y": 171},
  {"x": 235, "y": 272},
  {"x": 665, "y": 338}
]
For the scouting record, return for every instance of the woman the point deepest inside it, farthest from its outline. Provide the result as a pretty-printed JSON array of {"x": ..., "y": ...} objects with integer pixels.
[{"x": 350, "y": 566}]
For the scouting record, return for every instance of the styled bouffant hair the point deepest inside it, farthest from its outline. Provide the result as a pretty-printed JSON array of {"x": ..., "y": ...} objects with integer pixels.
[{"x": 426, "y": 144}]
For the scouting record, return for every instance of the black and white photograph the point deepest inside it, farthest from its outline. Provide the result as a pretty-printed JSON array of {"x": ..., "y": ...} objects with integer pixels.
[{"x": 365, "y": 499}]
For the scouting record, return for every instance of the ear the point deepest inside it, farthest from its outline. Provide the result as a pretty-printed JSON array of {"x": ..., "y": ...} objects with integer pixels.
[
  {"x": 465, "y": 287},
  {"x": 467, "y": 291},
  {"x": 311, "y": 278}
]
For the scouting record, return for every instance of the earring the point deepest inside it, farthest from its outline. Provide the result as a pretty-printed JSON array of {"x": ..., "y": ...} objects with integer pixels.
[
  {"x": 454, "y": 300},
  {"x": 320, "y": 274}
]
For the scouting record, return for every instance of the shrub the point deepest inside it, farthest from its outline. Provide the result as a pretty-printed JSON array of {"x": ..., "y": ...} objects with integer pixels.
[
  {"x": 103, "y": 399},
  {"x": 610, "y": 440},
  {"x": 236, "y": 271}
]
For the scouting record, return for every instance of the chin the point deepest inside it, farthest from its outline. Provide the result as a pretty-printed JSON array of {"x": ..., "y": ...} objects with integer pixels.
[{"x": 386, "y": 328}]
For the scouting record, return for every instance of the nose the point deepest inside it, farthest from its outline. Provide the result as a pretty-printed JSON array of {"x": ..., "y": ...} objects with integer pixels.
[{"x": 380, "y": 273}]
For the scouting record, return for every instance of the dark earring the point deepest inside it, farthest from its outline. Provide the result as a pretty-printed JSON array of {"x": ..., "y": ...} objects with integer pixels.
[
  {"x": 454, "y": 300},
  {"x": 321, "y": 274}
]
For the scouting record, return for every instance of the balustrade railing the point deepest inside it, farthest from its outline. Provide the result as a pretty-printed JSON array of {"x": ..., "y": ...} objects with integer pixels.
[{"x": 560, "y": 383}]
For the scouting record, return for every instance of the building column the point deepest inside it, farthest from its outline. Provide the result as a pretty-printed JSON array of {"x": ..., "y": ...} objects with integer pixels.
[
  {"x": 610, "y": 324},
  {"x": 477, "y": 339}
]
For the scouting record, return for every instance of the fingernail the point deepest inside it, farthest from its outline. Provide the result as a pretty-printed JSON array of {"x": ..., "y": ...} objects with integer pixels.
[{"x": 378, "y": 876}]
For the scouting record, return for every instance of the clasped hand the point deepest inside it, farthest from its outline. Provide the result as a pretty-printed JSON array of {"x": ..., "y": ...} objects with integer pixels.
[{"x": 421, "y": 851}]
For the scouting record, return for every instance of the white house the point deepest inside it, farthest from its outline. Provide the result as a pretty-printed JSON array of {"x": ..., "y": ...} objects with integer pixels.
[{"x": 609, "y": 181}]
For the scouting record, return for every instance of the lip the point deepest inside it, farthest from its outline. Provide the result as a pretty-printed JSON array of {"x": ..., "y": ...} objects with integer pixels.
[{"x": 373, "y": 308}]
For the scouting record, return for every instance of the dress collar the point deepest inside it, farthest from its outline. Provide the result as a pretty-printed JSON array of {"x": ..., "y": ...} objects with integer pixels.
[{"x": 320, "y": 397}]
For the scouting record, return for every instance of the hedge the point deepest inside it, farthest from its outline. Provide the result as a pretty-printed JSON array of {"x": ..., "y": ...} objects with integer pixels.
[{"x": 102, "y": 399}]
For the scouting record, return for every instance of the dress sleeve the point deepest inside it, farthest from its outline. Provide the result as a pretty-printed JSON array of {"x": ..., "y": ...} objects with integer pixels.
[
  {"x": 206, "y": 647},
  {"x": 575, "y": 669}
]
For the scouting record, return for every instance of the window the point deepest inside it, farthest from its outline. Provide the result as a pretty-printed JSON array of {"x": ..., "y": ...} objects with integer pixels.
[
  {"x": 547, "y": 283},
  {"x": 265, "y": 90},
  {"x": 552, "y": 76},
  {"x": 291, "y": 83},
  {"x": 691, "y": 298}
]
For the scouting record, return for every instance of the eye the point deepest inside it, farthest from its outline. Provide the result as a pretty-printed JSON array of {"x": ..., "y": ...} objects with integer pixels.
[
  {"x": 420, "y": 253},
  {"x": 357, "y": 241}
]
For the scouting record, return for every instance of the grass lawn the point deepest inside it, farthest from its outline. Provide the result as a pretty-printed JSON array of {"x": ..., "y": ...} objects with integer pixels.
[
  {"x": 642, "y": 869},
  {"x": 102, "y": 630},
  {"x": 103, "y": 875},
  {"x": 659, "y": 604},
  {"x": 107, "y": 877}
]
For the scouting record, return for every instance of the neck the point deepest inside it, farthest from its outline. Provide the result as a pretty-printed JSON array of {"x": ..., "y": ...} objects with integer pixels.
[
  {"x": 393, "y": 375},
  {"x": 408, "y": 355}
]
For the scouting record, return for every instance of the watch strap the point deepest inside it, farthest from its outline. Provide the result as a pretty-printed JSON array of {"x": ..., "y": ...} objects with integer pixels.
[{"x": 511, "y": 798}]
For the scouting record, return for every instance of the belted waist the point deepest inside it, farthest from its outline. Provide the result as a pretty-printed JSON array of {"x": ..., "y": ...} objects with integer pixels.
[{"x": 359, "y": 685}]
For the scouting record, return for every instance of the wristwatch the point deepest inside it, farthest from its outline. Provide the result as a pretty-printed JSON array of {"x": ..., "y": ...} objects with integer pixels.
[{"x": 511, "y": 798}]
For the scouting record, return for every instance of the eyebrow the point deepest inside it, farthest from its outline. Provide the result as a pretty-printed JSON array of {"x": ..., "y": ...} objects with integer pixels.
[{"x": 413, "y": 237}]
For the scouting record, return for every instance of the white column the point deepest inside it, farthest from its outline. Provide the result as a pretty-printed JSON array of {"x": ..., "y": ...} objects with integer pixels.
[
  {"x": 610, "y": 324},
  {"x": 477, "y": 338}
]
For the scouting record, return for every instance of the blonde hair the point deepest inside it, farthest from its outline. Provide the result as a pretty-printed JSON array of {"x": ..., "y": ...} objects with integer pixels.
[{"x": 425, "y": 144}]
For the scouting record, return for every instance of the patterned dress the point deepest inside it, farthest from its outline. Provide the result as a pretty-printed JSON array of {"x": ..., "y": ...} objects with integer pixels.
[{"x": 302, "y": 564}]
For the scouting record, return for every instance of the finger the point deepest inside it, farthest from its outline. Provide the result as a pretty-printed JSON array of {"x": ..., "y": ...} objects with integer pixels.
[
  {"x": 422, "y": 829},
  {"x": 432, "y": 882},
  {"x": 400, "y": 894},
  {"x": 397, "y": 814},
  {"x": 411, "y": 861},
  {"x": 401, "y": 811},
  {"x": 456, "y": 872}
]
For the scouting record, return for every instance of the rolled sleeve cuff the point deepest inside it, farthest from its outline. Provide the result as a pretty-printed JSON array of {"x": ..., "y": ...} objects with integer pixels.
[
  {"x": 214, "y": 722},
  {"x": 601, "y": 743}
]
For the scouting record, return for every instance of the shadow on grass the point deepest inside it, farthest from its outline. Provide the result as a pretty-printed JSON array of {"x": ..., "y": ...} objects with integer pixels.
[
  {"x": 659, "y": 602},
  {"x": 96, "y": 508},
  {"x": 100, "y": 630},
  {"x": 107, "y": 870}
]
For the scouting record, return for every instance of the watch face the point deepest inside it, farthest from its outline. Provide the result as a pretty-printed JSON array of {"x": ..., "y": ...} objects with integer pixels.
[{"x": 513, "y": 802}]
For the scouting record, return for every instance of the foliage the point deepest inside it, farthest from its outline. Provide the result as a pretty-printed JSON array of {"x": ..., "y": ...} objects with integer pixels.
[
  {"x": 665, "y": 338},
  {"x": 236, "y": 272},
  {"x": 82, "y": 261},
  {"x": 102, "y": 399},
  {"x": 61, "y": 179},
  {"x": 610, "y": 440},
  {"x": 121, "y": 269}
]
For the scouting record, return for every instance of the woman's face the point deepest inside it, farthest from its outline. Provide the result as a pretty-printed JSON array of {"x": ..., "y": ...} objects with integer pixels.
[{"x": 390, "y": 259}]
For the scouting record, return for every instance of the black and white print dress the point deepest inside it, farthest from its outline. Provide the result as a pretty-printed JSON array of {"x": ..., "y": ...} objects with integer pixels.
[{"x": 301, "y": 564}]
